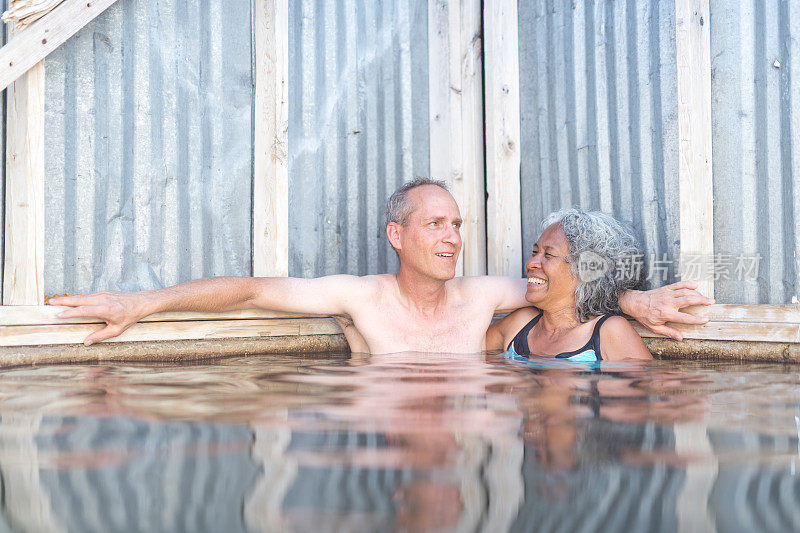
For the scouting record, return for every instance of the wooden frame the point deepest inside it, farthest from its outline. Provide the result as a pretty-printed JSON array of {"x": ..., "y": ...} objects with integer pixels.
[
  {"x": 503, "y": 214},
  {"x": 456, "y": 119},
  {"x": 270, "y": 144},
  {"x": 35, "y": 335},
  {"x": 23, "y": 266},
  {"x": 693, "y": 46}
]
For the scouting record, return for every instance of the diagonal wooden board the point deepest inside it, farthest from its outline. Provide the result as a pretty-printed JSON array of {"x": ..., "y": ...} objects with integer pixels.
[{"x": 45, "y": 35}]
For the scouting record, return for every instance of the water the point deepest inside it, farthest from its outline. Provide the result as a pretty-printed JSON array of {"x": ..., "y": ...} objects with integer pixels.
[{"x": 407, "y": 442}]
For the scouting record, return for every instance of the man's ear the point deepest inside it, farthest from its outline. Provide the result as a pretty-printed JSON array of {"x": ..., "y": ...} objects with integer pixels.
[{"x": 393, "y": 230}]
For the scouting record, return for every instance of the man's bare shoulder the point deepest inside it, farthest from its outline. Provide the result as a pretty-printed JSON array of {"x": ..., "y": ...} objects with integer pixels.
[
  {"x": 350, "y": 281},
  {"x": 486, "y": 283},
  {"x": 503, "y": 292},
  {"x": 363, "y": 287}
]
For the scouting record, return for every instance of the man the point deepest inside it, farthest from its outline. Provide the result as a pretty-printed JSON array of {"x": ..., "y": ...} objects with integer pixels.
[{"x": 423, "y": 307}]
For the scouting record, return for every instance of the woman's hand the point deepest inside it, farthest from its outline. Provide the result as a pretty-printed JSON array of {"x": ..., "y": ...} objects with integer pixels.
[{"x": 653, "y": 309}]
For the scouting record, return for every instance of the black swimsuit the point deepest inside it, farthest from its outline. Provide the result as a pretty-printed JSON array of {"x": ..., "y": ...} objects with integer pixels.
[{"x": 590, "y": 352}]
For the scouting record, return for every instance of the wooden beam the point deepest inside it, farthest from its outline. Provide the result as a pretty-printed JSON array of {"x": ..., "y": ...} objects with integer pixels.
[
  {"x": 40, "y": 315},
  {"x": 734, "y": 331},
  {"x": 750, "y": 323},
  {"x": 167, "y": 331},
  {"x": 693, "y": 46},
  {"x": 270, "y": 147},
  {"x": 503, "y": 219},
  {"x": 23, "y": 268},
  {"x": 171, "y": 351},
  {"x": 456, "y": 118},
  {"x": 45, "y": 35},
  {"x": 788, "y": 313}
]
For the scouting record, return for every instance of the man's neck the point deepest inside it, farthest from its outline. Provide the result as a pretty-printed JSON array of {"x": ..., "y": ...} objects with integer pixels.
[{"x": 421, "y": 293}]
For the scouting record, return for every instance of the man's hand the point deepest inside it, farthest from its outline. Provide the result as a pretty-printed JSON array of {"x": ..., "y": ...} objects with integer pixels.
[
  {"x": 119, "y": 310},
  {"x": 653, "y": 309}
]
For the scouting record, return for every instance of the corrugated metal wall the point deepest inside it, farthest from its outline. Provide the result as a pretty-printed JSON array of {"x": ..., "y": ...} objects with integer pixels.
[
  {"x": 149, "y": 134},
  {"x": 149, "y": 147},
  {"x": 755, "y": 61},
  {"x": 598, "y": 103},
  {"x": 358, "y": 127}
]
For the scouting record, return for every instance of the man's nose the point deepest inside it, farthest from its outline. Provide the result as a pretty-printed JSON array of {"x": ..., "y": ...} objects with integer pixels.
[
  {"x": 452, "y": 234},
  {"x": 533, "y": 262}
]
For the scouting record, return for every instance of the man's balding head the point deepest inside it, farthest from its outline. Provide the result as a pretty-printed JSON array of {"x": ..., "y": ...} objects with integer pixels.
[{"x": 400, "y": 205}]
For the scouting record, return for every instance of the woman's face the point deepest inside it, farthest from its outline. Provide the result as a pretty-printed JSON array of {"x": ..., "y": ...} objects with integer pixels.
[{"x": 551, "y": 284}]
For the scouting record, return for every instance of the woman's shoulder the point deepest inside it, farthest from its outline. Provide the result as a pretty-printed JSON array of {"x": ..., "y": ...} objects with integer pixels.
[
  {"x": 502, "y": 332},
  {"x": 619, "y": 340},
  {"x": 516, "y": 321}
]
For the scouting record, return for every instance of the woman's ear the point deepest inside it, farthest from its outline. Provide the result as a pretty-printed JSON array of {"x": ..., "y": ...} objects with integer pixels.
[{"x": 393, "y": 230}]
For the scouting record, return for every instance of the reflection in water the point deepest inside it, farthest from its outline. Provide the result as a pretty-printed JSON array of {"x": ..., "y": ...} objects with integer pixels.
[{"x": 414, "y": 442}]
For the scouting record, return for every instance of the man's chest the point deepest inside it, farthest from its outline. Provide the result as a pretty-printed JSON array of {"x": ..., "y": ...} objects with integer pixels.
[{"x": 459, "y": 329}]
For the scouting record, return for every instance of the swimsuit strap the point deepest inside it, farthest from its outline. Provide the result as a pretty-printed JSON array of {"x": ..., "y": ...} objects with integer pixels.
[
  {"x": 595, "y": 340},
  {"x": 520, "y": 341}
]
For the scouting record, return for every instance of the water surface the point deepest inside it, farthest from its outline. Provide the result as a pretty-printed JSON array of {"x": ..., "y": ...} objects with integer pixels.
[{"x": 408, "y": 442}]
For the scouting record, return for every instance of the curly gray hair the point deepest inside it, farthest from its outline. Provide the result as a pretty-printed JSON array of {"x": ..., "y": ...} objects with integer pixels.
[
  {"x": 399, "y": 207},
  {"x": 604, "y": 256}
]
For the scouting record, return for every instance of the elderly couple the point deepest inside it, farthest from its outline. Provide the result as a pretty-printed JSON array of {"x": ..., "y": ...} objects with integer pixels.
[{"x": 425, "y": 308}]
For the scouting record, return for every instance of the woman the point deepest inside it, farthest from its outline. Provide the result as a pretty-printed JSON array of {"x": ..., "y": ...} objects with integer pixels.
[{"x": 575, "y": 275}]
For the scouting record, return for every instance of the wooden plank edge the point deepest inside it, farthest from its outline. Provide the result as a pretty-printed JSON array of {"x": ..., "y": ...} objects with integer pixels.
[
  {"x": 35, "y": 42},
  {"x": 732, "y": 331},
  {"x": 40, "y": 315},
  {"x": 169, "y": 331},
  {"x": 32, "y": 315},
  {"x": 789, "y": 313},
  {"x": 722, "y": 350},
  {"x": 179, "y": 351}
]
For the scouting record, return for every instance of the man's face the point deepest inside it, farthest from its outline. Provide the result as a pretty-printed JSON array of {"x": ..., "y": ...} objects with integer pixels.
[{"x": 431, "y": 240}]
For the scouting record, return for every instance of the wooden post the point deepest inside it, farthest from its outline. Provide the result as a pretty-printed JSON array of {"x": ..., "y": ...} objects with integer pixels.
[
  {"x": 270, "y": 148},
  {"x": 456, "y": 118},
  {"x": 23, "y": 277},
  {"x": 503, "y": 219},
  {"x": 693, "y": 46}
]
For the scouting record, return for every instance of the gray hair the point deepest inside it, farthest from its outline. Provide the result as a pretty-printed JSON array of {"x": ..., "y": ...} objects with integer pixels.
[
  {"x": 399, "y": 207},
  {"x": 604, "y": 256}
]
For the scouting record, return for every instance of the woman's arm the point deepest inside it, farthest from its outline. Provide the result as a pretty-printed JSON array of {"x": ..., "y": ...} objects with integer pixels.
[{"x": 501, "y": 333}]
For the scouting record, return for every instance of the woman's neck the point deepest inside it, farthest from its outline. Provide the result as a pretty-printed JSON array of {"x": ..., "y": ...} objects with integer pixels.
[{"x": 559, "y": 319}]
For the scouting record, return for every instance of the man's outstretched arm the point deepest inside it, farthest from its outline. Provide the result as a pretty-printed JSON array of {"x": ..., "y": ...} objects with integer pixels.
[
  {"x": 329, "y": 295},
  {"x": 653, "y": 308}
]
